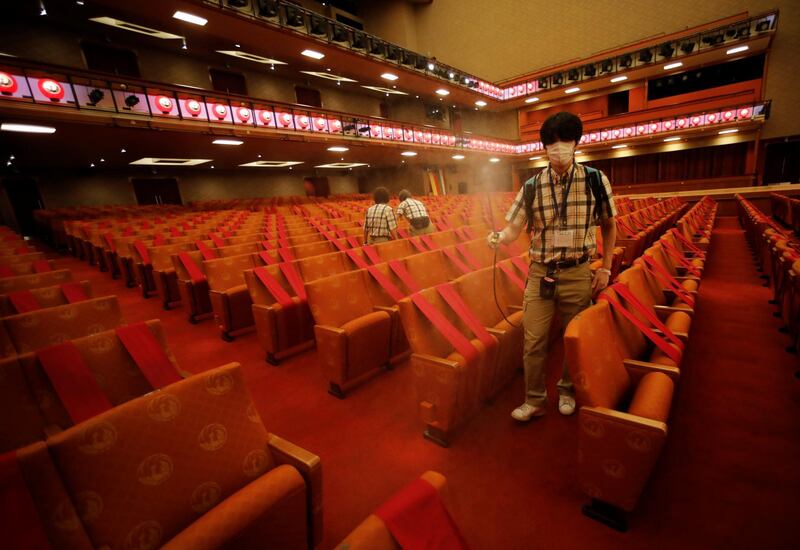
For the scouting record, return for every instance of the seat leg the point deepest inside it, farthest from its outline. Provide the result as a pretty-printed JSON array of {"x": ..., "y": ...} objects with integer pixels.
[
  {"x": 606, "y": 514},
  {"x": 436, "y": 435},
  {"x": 335, "y": 390},
  {"x": 226, "y": 337},
  {"x": 272, "y": 360}
]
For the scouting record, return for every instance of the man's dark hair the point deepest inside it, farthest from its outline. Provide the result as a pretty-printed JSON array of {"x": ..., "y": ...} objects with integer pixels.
[
  {"x": 561, "y": 126},
  {"x": 380, "y": 195},
  {"x": 404, "y": 194}
]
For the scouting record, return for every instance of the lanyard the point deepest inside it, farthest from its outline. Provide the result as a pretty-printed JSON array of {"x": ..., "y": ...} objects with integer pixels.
[{"x": 562, "y": 208}]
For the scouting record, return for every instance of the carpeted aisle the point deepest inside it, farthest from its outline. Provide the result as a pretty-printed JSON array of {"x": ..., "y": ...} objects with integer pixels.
[{"x": 729, "y": 476}]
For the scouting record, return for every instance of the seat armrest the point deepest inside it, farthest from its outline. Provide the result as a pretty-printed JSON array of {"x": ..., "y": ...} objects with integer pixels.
[
  {"x": 435, "y": 361},
  {"x": 682, "y": 336},
  {"x": 331, "y": 329},
  {"x": 637, "y": 369},
  {"x": 310, "y": 467},
  {"x": 515, "y": 307},
  {"x": 626, "y": 419},
  {"x": 496, "y": 331},
  {"x": 388, "y": 309},
  {"x": 664, "y": 311}
]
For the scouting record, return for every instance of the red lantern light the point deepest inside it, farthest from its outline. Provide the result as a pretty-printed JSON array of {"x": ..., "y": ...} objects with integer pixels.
[
  {"x": 388, "y": 133},
  {"x": 616, "y": 133},
  {"x": 164, "y": 104},
  {"x": 193, "y": 106},
  {"x": 426, "y": 137},
  {"x": 669, "y": 124},
  {"x": 408, "y": 134},
  {"x": 285, "y": 120},
  {"x": 8, "y": 84},
  {"x": 303, "y": 122},
  {"x": 727, "y": 115},
  {"x": 435, "y": 139},
  {"x": 594, "y": 136},
  {"x": 243, "y": 114},
  {"x": 653, "y": 126},
  {"x": 603, "y": 135},
  {"x": 51, "y": 89},
  {"x": 744, "y": 113},
  {"x": 696, "y": 120},
  {"x": 375, "y": 131},
  {"x": 641, "y": 129},
  {"x": 335, "y": 125},
  {"x": 220, "y": 111},
  {"x": 266, "y": 117},
  {"x": 712, "y": 118},
  {"x": 319, "y": 124}
]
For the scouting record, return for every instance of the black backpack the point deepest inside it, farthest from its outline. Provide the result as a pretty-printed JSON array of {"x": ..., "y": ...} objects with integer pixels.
[{"x": 594, "y": 182}]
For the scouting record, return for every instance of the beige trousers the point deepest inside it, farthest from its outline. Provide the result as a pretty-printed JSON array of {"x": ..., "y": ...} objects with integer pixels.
[
  {"x": 573, "y": 295},
  {"x": 414, "y": 232},
  {"x": 373, "y": 240}
]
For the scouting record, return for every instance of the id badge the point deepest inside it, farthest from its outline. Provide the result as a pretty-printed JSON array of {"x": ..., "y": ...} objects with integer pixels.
[{"x": 564, "y": 238}]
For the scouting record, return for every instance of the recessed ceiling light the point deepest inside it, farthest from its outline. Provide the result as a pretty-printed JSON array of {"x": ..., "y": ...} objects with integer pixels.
[
  {"x": 251, "y": 57},
  {"x": 141, "y": 29},
  {"x": 672, "y": 139},
  {"x": 189, "y": 18},
  {"x": 313, "y": 54},
  {"x": 272, "y": 163},
  {"x": 673, "y": 65},
  {"x": 621, "y": 146},
  {"x": 532, "y": 100},
  {"x": 389, "y": 76},
  {"x": 409, "y": 153},
  {"x": 457, "y": 157},
  {"x": 383, "y": 90},
  {"x": 494, "y": 159},
  {"x": 534, "y": 158},
  {"x": 737, "y": 49},
  {"x": 27, "y": 128},
  {"x": 442, "y": 91},
  {"x": 480, "y": 103},
  {"x": 572, "y": 90},
  {"x": 154, "y": 161},
  {"x": 338, "y": 149},
  {"x": 578, "y": 152},
  {"x": 227, "y": 142},
  {"x": 329, "y": 76},
  {"x": 122, "y": 150},
  {"x": 730, "y": 131},
  {"x": 619, "y": 79},
  {"x": 341, "y": 165}
]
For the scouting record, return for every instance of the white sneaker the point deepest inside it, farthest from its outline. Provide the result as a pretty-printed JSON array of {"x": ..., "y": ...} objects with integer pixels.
[
  {"x": 566, "y": 404},
  {"x": 525, "y": 412}
]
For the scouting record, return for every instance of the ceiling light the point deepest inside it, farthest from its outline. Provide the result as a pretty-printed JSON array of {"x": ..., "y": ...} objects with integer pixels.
[
  {"x": 27, "y": 128},
  {"x": 673, "y": 65},
  {"x": 141, "y": 29},
  {"x": 389, "y": 76},
  {"x": 313, "y": 54},
  {"x": 494, "y": 159},
  {"x": 341, "y": 165},
  {"x": 251, "y": 57},
  {"x": 480, "y": 103},
  {"x": 622, "y": 146},
  {"x": 672, "y": 139},
  {"x": 532, "y": 100},
  {"x": 578, "y": 152},
  {"x": 534, "y": 158},
  {"x": 619, "y": 79},
  {"x": 409, "y": 153},
  {"x": 227, "y": 142},
  {"x": 383, "y": 90},
  {"x": 272, "y": 163},
  {"x": 329, "y": 76},
  {"x": 122, "y": 150},
  {"x": 431, "y": 66},
  {"x": 154, "y": 161},
  {"x": 442, "y": 91},
  {"x": 730, "y": 131},
  {"x": 572, "y": 90},
  {"x": 189, "y": 18},
  {"x": 183, "y": 44},
  {"x": 737, "y": 49},
  {"x": 457, "y": 157},
  {"x": 338, "y": 149}
]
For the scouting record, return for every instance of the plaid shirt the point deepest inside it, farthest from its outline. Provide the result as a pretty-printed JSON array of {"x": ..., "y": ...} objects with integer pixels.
[
  {"x": 412, "y": 209},
  {"x": 581, "y": 217},
  {"x": 380, "y": 221}
]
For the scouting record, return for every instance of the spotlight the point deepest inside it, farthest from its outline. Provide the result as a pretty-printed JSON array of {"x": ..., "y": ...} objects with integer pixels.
[
  {"x": 666, "y": 50},
  {"x": 543, "y": 84},
  {"x": 607, "y": 66},
  {"x": 294, "y": 18},
  {"x": 626, "y": 60},
  {"x": 96, "y": 96},
  {"x": 589, "y": 70},
  {"x": 558, "y": 79},
  {"x": 376, "y": 47},
  {"x": 268, "y": 8},
  {"x": 645, "y": 56},
  {"x": 131, "y": 101},
  {"x": 358, "y": 41},
  {"x": 183, "y": 44},
  {"x": 339, "y": 33},
  {"x": 687, "y": 47},
  {"x": 431, "y": 65},
  {"x": 763, "y": 25},
  {"x": 318, "y": 26},
  {"x": 573, "y": 74}
]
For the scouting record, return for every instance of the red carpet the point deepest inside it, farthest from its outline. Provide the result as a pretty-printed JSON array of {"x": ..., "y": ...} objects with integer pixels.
[{"x": 729, "y": 476}]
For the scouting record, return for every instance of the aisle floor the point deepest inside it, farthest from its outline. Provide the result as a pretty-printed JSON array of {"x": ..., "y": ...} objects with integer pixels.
[{"x": 728, "y": 478}]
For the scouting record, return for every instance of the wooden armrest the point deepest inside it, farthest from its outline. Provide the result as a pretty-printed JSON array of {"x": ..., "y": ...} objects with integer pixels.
[
  {"x": 388, "y": 309},
  {"x": 683, "y": 336},
  {"x": 669, "y": 309},
  {"x": 626, "y": 419},
  {"x": 496, "y": 331},
  {"x": 329, "y": 328},
  {"x": 514, "y": 307},
  {"x": 435, "y": 361},
  {"x": 637, "y": 369}
]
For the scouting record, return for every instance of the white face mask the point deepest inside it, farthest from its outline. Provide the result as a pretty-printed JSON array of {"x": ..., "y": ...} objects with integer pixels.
[{"x": 560, "y": 153}]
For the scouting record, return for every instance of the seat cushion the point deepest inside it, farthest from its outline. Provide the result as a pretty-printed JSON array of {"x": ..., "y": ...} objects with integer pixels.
[{"x": 653, "y": 397}]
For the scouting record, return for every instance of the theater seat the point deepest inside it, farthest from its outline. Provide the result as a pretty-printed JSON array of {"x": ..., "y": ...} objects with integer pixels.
[
  {"x": 624, "y": 406},
  {"x": 230, "y": 299},
  {"x": 48, "y": 296},
  {"x": 26, "y": 282}
]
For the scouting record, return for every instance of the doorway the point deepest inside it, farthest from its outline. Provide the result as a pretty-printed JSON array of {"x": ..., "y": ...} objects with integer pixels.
[
  {"x": 781, "y": 165},
  {"x": 156, "y": 191},
  {"x": 23, "y": 194}
]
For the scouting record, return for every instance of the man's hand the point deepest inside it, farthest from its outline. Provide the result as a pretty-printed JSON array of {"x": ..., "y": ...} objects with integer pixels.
[
  {"x": 600, "y": 280},
  {"x": 494, "y": 239}
]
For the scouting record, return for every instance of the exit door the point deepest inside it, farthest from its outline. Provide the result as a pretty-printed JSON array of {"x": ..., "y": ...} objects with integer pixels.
[
  {"x": 156, "y": 191},
  {"x": 24, "y": 198}
]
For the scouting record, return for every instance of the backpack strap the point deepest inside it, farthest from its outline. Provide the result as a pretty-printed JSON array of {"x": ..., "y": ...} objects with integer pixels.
[
  {"x": 594, "y": 180},
  {"x": 528, "y": 196}
]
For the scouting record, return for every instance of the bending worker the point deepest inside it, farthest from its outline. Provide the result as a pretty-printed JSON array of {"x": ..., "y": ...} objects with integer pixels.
[
  {"x": 380, "y": 224},
  {"x": 415, "y": 212},
  {"x": 560, "y": 206}
]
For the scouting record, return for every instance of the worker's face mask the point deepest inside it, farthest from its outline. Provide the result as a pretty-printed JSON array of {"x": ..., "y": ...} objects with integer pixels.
[{"x": 560, "y": 154}]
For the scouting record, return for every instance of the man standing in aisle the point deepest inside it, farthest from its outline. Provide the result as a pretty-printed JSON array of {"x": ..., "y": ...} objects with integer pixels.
[
  {"x": 560, "y": 206},
  {"x": 380, "y": 224},
  {"x": 415, "y": 212}
]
